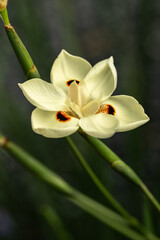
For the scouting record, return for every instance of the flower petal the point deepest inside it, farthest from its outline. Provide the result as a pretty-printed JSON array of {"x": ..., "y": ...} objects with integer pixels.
[
  {"x": 128, "y": 111},
  {"x": 68, "y": 67},
  {"x": 101, "y": 80},
  {"x": 100, "y": 125},
  {"x": 73, "y": 92},
  {"x": 91, "y": 108},
  {"x": 53, "y": 124},
  {"x": 43, "y": 95},
  {"x": 78, "y": 94}
]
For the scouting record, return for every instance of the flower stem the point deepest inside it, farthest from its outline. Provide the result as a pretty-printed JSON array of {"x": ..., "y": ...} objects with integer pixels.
[
  {"x": 4, "y": 16},
  {"x": 21, "y": 52},
  {"x": 55, "y": 222},
  {"x": 94, "y": 208},
  {"x": 95, "y": 179},
  {"x": 131, "y": 220},
  {"x": 116, "y": 163}
]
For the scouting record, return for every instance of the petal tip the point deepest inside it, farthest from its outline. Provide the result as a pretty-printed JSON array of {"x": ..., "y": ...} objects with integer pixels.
[
  {"x": 20, "y": 85},
  {"x": 63, "y": 51},
  {"x": 147, "y": 118},
  {"x": 111, "y": 59}
]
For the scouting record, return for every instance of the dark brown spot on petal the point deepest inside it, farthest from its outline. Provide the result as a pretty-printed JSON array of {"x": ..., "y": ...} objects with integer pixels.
[
  {"x": 111, "y": 110},
  {"x": 107, "y": 108},
  {"x": 70, "y": 81},
  {"x": 62, "y": 116}
]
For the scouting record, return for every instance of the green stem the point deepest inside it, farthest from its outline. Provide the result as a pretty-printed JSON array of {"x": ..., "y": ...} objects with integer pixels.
[
  {"x": 55, "y": 222},
  {"x": 131, "y": 220},
  {"x": 21, "y": 52},
  {"x": 87, "y": 204},
  {"x": 116, "y": 163},
  {"x": 147, "y": 215},
  {"x": 97, "y": 210},
  {"x": 31, "y": 163},
  {"x": 97, "y": 182},
  {"x": 4, "y": 16}
]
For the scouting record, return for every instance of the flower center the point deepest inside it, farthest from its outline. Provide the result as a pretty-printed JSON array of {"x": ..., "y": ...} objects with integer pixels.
[
  {"x": 107, "y": 108},
  {"x": 72, "y": 80},
  {"x": 76, "y": 97}
]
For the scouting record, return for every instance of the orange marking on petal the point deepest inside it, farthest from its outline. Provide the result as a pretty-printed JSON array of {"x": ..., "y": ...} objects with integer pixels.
[
  {"x": 107, "y": 108},
  {"x": 62, "y": 116},
  {"x": 70, "y": 81}
]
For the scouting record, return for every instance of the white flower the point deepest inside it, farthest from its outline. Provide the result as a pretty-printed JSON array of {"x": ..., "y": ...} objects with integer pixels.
[{"x": 79, "y": 95}]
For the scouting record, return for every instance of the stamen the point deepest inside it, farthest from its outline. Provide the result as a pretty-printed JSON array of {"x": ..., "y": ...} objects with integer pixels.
[
  {"x": 107, "y": 108},
  {"x": 70, "y": 81},
  {"x": 62, "y": 116}
]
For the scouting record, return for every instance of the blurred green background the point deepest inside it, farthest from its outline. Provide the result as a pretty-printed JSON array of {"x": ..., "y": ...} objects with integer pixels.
[{"x": 94, "y": 29}]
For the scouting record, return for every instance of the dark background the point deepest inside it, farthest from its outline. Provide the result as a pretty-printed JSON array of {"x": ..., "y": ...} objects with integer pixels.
[{"x": 129, "y": 30}]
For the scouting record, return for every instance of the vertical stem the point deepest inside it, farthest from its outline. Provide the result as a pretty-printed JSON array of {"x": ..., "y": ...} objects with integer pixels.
[
  {"x": 116, "y": 163},
  {"x": 21, "y": 52},
  {"x": 4, "y": 16},
  {"x": 96, "y": 181},
  {"x": 55, "y": 222},
  {"x": 131, "y": 220}
]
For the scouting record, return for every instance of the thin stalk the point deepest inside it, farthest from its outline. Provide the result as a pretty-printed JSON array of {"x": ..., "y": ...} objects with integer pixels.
[
  {"x": 96, "y": 180},
  {"x": 131, "y": 220},
  {"x": 147, "y": 215},
  {"x": 4, "y": 16},
  {"x": 94, "y": 208},
  {"x": 21, "y": 52},
  {"x": 116, "y": 163},
  {"x": 55, "y": 222},
  {"x": 87, "y": 204}
]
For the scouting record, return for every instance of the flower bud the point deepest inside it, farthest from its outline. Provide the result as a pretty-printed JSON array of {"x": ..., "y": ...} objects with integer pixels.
[{"x": 3, "y": 4}]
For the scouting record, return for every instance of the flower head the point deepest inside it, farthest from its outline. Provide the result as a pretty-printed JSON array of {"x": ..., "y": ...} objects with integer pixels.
[{"x": 79, "y": 95}]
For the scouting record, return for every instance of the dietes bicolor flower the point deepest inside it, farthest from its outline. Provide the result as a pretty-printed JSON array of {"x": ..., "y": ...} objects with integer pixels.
[{"x": 79, "y": 95}]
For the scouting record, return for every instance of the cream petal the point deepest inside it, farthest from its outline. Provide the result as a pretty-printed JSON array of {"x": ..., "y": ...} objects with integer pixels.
[
  {"x": 91, "y": 108},
  {"x": 77, "y": 93},
  {"x": 75, "y": 109},
  {"x": 99, "y": 125},
  {"x": 43, "y": 95},
  {"x": 128, "y": 111},
  {"x": 47, "y": 124},
  {"x": 83, "y": 97},
  {"x": 68, "y": 67},
  {"x": 73, "y": 92},
  {"x": 101, "y": 80}
]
